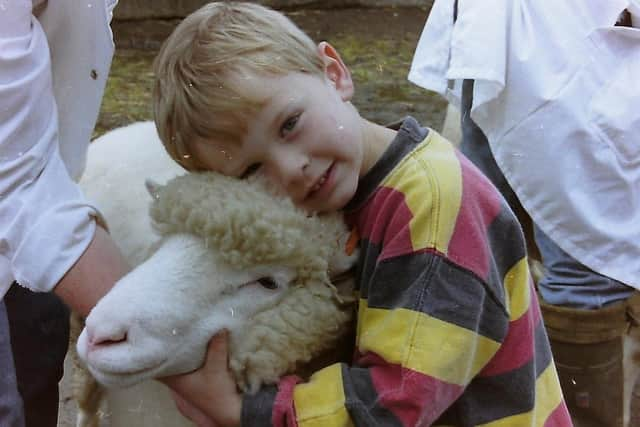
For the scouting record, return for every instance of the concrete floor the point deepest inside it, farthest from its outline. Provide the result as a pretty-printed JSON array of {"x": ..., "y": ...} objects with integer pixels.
[{"x": 67, "y": 407}]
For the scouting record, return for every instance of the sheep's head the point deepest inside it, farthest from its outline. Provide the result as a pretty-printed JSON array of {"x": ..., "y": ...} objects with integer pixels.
[{"x": 230, "y": 250}]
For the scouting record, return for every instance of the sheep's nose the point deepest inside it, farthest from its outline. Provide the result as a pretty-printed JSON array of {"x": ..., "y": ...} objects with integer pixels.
[{"x": 104, "y": 335}]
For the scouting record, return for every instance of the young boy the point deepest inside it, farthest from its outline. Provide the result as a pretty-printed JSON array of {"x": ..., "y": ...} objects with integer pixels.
[{"x": 449, "y": 329}]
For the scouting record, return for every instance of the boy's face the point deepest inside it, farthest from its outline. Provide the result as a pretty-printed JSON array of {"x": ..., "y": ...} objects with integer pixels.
[{"x": 307, "y": 137}]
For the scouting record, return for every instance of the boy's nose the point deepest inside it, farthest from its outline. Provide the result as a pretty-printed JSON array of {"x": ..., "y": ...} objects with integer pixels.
[{"x": 291, "y": 168}]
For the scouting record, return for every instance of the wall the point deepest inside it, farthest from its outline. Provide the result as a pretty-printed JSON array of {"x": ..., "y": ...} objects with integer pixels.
[{"x": 164, "y": 9}]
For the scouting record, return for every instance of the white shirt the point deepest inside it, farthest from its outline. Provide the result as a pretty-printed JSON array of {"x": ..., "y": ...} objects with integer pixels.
[
  {"x": 53, "y": 70},
  {"x": 557, "y": 94}
]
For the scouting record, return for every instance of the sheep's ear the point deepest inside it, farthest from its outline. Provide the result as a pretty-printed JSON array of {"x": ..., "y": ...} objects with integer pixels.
[{"x": 152, "y": 187}]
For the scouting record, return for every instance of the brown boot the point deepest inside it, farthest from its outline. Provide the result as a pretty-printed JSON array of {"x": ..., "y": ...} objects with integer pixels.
[
  {"x": 632, "y": 361},
  {"x": 587, "y": 350},
  {"x": 634, "y": 412}
]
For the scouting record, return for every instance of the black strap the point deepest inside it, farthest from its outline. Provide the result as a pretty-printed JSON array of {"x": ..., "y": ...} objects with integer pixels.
[{"x": 455, "y": 10}]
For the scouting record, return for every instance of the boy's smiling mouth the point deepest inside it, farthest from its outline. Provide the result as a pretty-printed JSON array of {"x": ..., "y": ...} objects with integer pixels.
[{"x": 320, "y": 183}]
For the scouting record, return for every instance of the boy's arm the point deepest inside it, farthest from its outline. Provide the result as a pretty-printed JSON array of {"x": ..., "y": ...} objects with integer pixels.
[{"x": 412, "y": 363}]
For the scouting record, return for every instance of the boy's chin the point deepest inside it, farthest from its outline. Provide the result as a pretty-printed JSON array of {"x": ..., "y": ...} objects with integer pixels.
[
  {"x": 337, "y": 199},
  {"x": 330, "y": 206}
]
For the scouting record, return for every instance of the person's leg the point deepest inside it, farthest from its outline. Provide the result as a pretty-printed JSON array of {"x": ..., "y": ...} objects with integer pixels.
[
  {"x": 39, "y": 325},
  {"x": 568, "y": 283},
  {"x": 632, "y": 362},
  {"x": 10, "y": 402},
  {"x": 587, "y": 347},
  {"x": 586, "y": 318}
]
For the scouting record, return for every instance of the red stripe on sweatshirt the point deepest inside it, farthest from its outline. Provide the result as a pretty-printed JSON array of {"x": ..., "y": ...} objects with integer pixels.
[
  {"x": 401, "y": 391},
  {"x": 284, "y": 412},
  {"x": 387, "y": 226},
  {"x": 517, "y": 348},
  {"x": 480, "y": 205},
  {"x": 559, "y": 417}
]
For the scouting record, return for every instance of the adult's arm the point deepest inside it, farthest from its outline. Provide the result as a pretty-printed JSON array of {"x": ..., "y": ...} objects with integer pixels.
[
  {"x": 48, "y": 231},
  {"x": 95, "y": 272}
]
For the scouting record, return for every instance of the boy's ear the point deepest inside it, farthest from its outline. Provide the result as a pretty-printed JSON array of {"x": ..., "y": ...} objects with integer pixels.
[{"x": 336, "y": 71}]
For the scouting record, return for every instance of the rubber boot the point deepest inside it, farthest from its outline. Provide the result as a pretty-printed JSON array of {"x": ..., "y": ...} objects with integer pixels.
[
  {"x": 587, "y": 348},
  {"x": 632, "y": 361},
  {"x": 634, "y": 412}
]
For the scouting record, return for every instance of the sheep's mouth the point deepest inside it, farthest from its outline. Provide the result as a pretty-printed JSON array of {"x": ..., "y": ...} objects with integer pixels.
[
  {"x": 112, "y": 376},
  {"x": 115, "y": 360},
  {"x": 114, "y": 371},
  {"x": 109, "y": 368}
]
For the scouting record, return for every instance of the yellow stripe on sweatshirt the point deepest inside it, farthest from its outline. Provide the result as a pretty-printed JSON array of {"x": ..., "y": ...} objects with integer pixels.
[
  {"x": 423, "y": 343},
  {"x": 321, "y": 401},
  {"x": 433, "y": 186},
  {"x": 517, "y": 289}
]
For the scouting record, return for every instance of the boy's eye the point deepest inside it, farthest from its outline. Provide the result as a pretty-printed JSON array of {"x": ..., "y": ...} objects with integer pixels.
[
  {"x": 250, "y": 170},
  {"x": 289, "y": 125}
]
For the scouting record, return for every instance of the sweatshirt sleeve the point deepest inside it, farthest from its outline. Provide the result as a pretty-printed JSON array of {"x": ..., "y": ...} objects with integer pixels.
[
  {"x": 417, "y": 353},
  {"x": 412, "y": 364},
  {"x": 45, "y": 222}
]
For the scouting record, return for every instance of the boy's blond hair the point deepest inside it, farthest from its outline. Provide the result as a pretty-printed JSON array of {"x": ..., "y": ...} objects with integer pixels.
[{"x": 198, "y": 91}]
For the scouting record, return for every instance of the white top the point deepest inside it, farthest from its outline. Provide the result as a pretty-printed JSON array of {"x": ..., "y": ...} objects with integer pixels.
[
  {"x": 45, "y": 222},
  {"x": 557, "y": 94}
]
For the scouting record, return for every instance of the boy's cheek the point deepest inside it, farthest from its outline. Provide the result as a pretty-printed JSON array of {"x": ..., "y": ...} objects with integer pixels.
[{"x": 272, "y": 183}]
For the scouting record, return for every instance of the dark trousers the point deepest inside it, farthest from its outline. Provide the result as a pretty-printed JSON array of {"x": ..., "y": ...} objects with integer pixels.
[
  {"x": 39, "y": 329},
  {"x": 10, "y": 402}
]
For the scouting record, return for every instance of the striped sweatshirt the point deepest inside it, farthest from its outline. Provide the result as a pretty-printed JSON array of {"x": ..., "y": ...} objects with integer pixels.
[{"x": 449, "y": 331}]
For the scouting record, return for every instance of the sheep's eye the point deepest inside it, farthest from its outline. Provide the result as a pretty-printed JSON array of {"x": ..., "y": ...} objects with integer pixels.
[{"x": 268, "y": 283}]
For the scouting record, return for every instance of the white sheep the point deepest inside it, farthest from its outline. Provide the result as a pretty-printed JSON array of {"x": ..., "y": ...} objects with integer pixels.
[{"x": 221, "y": 253}]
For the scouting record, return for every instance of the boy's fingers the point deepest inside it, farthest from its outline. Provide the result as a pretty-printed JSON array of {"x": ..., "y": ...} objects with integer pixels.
[
  {"x": 217, "y": 348},
  {"x": 217, "y": 353}
]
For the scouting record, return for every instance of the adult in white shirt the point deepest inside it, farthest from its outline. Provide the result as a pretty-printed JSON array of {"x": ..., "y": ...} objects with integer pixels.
[
  {"x": 54, "y": 61},
  {"x": 549, "y": 97}
]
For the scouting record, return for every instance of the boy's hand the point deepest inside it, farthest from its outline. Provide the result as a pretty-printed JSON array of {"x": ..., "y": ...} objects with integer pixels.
[{"x": 208, "y": 396}]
